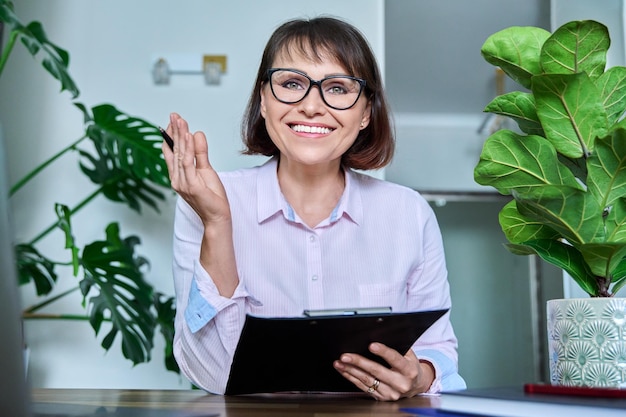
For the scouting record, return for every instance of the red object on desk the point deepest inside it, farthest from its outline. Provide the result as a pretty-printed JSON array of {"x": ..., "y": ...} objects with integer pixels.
[{"x": 576, "y": 391}]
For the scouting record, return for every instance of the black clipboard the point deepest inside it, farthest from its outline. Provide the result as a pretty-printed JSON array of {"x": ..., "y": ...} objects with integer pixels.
[{"x": 297, "y": 353}]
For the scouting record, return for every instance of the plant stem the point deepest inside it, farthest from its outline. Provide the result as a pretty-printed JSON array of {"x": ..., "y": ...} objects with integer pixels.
[
  {"x": 7, "y": 49},
  {"x": 38, "y": 169},
  {"x": 28, "y": 312},
  {"x": 29, "y": 316},
  {"x": 74, "y": 210}
]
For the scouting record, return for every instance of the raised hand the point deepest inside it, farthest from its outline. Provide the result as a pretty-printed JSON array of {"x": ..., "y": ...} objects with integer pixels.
[{"x": 195, "y": 180}]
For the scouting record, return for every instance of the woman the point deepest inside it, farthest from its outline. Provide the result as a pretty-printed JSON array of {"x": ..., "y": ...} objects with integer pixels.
[{"x": 304, "y": 230}]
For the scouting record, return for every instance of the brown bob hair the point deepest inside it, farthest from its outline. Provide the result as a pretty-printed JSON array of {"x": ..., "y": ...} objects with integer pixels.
[{"x": 324, "y": 37}]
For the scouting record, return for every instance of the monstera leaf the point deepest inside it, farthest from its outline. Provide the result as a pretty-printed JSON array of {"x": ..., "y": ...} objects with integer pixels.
[
  {"x": 113, "y": 270},
  {"x": 128, "y": 157},
  {"x": 166, "y": 312},
  {"x": 33, "y": 266},
  {"x": 133, "y": 143},
  {"x": 53, "y": 58}
]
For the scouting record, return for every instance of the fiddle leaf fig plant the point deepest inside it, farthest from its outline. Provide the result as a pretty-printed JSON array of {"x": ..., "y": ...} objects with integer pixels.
[
  {"x": 121, "y": 156},
  {"x": 565, "y": 167}
]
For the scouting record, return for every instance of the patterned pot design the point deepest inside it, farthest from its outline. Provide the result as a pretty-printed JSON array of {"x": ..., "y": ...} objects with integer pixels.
[{"x": 587, "y": 342}]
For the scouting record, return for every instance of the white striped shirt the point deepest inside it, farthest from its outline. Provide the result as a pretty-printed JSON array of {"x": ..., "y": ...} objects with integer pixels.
[{"x": 381, "y": 246}]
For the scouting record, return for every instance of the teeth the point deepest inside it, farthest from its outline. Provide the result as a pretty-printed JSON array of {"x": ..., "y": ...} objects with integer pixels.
[{"x": 311, "y": 129}]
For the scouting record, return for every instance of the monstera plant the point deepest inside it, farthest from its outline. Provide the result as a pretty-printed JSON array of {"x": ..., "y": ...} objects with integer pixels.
[
  {"x": 121, "y": 155},
  {"x": 565, "y": 167}
]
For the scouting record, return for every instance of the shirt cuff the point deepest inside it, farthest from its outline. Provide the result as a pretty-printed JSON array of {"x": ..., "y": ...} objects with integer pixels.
[
  {"x": 198, "y": 312},
  {"x": 447, "y": 377}
]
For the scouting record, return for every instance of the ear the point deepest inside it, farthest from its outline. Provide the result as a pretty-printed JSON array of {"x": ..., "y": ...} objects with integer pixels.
[
  {"x": 262, "y": 92},
  {"x": 367, "y": 114}
]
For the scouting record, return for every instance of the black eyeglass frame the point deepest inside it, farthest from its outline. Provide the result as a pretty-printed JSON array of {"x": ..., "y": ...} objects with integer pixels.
[{"x": 317, "y": 83}]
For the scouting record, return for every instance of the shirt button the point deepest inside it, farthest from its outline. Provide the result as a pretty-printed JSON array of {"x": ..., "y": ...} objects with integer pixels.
[
  {"x": 314, "y": 277},
  {"x": 312, "y": 238}
]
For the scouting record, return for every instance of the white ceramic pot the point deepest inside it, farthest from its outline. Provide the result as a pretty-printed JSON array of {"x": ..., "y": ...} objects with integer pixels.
[{"x": 587, "y": 342}]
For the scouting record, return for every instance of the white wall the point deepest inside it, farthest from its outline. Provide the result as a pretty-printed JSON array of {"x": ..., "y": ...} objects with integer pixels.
[{"x": 111, "y": 44}]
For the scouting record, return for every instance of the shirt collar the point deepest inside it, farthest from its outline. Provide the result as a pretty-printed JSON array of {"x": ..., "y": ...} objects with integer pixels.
[{"x": 271, "y": 200}]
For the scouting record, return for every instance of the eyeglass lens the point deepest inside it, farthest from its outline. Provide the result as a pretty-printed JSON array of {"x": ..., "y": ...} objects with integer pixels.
[{"x": 339, "y": 92}]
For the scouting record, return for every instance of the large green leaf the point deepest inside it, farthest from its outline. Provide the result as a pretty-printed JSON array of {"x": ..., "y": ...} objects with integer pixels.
[
  {"x": 123, "y": 296},
  {"x": 576, "y": 46},
  {"x": 133, "y": 143},
  {"x": 7, "y": 15},
  {"x": 166, "y": 312},
  {"x": 574, "y": 214},
  {"x": 117, "y": 184},
  {"x": 615, "y": 220},
  {"x": 128, "y": 157},
  {"x": 516, "y": 51},
  {"x": 518, "y": 228},
  {"x": 571, "y": 111},
  {"x": 603, "y": 258},
  {"x": 565, "y": 257},
  {"x": 511, "y": 161},
  {"x": 607, "y": 168},
  {"x": 32, "y": 265},
  {"x": 612, "y": 86},
  {"x": 619, "y": 276},
  {"x": 53, "y": 58},
  {"x": 520, "y": 107}
]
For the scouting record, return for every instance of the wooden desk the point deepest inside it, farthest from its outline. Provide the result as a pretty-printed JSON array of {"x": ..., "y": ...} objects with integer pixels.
[{"x": 274, "y": 405}]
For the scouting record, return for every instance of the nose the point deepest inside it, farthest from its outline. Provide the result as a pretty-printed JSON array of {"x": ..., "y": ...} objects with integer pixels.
[{"x": 313, "y": 103}]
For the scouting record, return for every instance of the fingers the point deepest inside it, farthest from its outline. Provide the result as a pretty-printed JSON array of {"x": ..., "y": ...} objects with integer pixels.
[
  {"x": 363, "y": 380},
  {"x": 191, "y": 174},
  {"x": 395, "y": 360},
  {"x": 190, "y": 151},
  {"x": 201, "y": 150},
  {"x": 396, "y": 381}
]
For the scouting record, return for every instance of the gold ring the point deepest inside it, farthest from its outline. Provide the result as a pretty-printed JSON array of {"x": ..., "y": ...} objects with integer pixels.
[{"x": 374, "y": 386}]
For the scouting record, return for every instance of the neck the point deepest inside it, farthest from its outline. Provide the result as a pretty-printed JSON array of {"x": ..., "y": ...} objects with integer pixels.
[{"x": 313, "y": 192}]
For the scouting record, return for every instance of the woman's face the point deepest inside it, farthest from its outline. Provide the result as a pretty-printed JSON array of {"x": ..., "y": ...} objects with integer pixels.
[{"x": 310, "y": 133}]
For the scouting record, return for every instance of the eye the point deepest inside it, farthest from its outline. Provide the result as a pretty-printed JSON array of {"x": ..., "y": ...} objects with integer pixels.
[
  {"x": 337, "y": 89},
  {"x": 340, "y": 86},
  {"x": 293, "y": 85},
  {"x": 290, "y": 80}
]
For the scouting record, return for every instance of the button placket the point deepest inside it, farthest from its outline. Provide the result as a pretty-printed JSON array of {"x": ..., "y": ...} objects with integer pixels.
[{"x": 314, "y": 271}]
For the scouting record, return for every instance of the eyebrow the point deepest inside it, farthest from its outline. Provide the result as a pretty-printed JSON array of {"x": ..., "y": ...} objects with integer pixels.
[{"x": 338, "y": 74}]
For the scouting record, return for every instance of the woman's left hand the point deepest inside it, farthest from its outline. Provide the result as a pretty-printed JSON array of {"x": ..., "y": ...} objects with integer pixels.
[{"x": 406, "y": 377}]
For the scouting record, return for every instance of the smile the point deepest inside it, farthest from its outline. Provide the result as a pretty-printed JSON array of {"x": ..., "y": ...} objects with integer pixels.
[{"x": 311, "y": 129}]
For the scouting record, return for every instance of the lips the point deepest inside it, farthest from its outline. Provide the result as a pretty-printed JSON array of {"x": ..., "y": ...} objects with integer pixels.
[{"x": 322, "y": 130}]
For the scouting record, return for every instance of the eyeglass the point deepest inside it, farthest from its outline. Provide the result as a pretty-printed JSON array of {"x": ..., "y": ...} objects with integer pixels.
[{"x": 339, "y": 92}]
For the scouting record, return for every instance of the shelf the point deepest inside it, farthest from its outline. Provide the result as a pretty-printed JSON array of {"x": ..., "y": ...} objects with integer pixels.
[{"x": 441, "y": 198}]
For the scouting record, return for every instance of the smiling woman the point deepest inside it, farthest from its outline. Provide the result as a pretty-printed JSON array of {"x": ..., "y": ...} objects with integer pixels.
[{"x": 305, "y": 230}]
